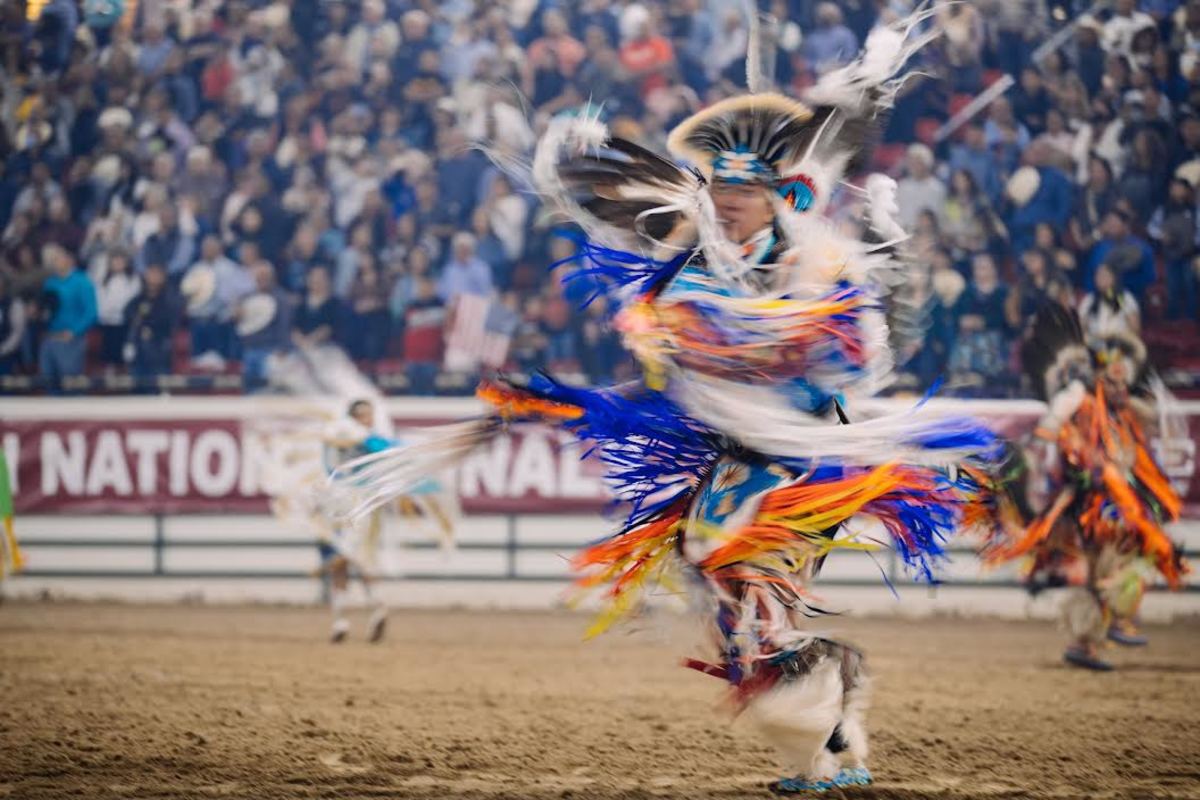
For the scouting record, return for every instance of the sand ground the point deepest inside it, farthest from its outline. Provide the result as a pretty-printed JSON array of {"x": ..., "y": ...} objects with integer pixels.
[{"x": 109, "y": 701}]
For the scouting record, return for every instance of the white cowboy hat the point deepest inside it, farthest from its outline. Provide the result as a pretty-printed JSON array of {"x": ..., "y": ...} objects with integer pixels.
[
  {"x": 198, "y": 286},
  {"x": 115, "y": 117},
  {"x": 1189, "y": 171},
  {"x": 1023, "y": 185},
  {"x": 258, "y": 311}
]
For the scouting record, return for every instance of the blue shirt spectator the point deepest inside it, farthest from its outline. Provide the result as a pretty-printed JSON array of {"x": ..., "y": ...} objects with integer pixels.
[
  {"x": 972, "y": 155},
  {"x": 832, "y": 44},
  {"x": 155, "y": 49},
  {"x": 72, "y": 300},
  {"x": 1052, "y": 202},
  {"x": 74, "y": 304},
  {"x": 465, "y": 272},
  {"x": 1130, "y": 257}
]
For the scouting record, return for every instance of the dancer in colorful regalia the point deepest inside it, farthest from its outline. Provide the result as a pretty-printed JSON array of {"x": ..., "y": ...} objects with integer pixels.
[
  {"x": 304, "y": 447},
  {"x": 739, "y": 455},
  {"x": 1102, "y": 527}
]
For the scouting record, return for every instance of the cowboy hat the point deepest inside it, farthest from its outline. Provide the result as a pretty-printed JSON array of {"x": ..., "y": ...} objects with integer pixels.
[
  {"x": 257, "y": 312},
  {"x": 1023, "y": 185},
  {"x": 198, "y": 287}
]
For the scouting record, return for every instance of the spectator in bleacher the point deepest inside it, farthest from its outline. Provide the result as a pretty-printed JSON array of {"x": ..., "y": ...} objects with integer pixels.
[
  {"x": 1030, "y": 101},
  {"x": 302, "y": 254},
  {"x": 1038, "y": 193},
  {"x": 728, "y": 50},
  {"x": 210, "y": 318},
  {"x": 693, "y": 35},
  {"x": 116, "y": 287},
  {"x": 424, "y": 330},
  {"x": 374, "y": 37},
  {"x": 1063, "y": 263},
  {"x": 647, "y": 57},
  {"x": 351, "y": 260},
  {"x": 465, "y": 272},
  {"x": 599, "y": 346},
  {"x": 59, "y": 227},
  {"x": 203, "y": 180},
  {"x": 971, "y": 153},
  {"x": 70, "y": 300},
  {"x": 507, "y": 212},
  {"x": 559, "y": 326},
  {"x": 1004, "y": 135},
  {"x": 41, "y": 188},
  {"x": 1059, "y": 143},
  {"x": 1088, "y": 54},
  {"x": 263, "y": 334},
  {"x": 919, "y": 190},
  {"x": 969, "y": 224},
  {"x": 458, "y": 171},
  {"x": 1124, "y": 24},
  {"x": 170, "y": 244},
  {"x": 980, "y": 350},
  {"x": 13, "y": 326},
  {"x": 965, "y": 36},
  {"x": 528, "y": 350},
  {"x": 1174, "y": 229},
  {"x": 430, "y": 214},
  {"x": 1109, "y": 308},
  {"x": 566, "y": 51},
  {"x": 319, "y": 314},
  {"x": 151, "y": 318},
  {"x": 404, "y": 286},
  {"x": 1032, "y": 291},
  {"x": 1016, "y": 27},
  {"x": 1145, "y": 176},
  {"x": 1129, "y": 256},
  {"x": 490, "y": 249},
  {"x": 831, "y": 44},
  {"x": 367, "y": 314},
  {"x": 940, "y": 314},
  {"x": 1093, "y": 203}
]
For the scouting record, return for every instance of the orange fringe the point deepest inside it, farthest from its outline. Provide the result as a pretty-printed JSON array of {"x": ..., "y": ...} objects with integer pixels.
[
  {"x": 809, "y": 509},
  {"x": 511, "y": 403},
  {"x": 1096, "y": 439}
]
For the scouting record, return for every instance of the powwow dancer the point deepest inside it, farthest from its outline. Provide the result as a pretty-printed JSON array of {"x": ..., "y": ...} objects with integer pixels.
[
  {"x": 355, "y": 546},
  {"x": 1110, "y": 497},
  {"x": 305, "y": 454},
  {"x": 756, "y": 323}
]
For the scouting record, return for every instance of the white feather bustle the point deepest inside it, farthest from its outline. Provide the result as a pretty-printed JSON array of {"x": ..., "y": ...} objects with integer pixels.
[{"x": 872, "y": 81}]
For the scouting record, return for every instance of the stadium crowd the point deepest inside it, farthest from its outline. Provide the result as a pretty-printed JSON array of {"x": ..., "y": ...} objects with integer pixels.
[{"x": 190, "y": 186}]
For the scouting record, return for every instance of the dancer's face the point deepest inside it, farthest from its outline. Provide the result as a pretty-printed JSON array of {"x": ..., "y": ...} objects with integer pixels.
[
  {"x": 743, "y": 209},
  {"x": 364, "y": 414}
]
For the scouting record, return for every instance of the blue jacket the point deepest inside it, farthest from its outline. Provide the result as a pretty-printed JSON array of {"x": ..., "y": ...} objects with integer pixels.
[
  {"x": 76, "y": 310},
  {"x": 1053, "y": 202},
  {"x": 1136, "y": 277}
]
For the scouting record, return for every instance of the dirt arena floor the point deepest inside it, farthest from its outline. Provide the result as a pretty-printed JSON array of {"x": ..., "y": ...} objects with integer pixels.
[{"x": 102, "y": 701}]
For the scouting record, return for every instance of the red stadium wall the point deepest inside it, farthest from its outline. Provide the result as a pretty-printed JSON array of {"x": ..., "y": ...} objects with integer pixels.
[{"x": 185, "y": 456}]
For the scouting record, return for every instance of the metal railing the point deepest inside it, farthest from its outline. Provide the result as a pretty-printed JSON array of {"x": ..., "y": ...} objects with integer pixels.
[{"x": 891, "y": 566}]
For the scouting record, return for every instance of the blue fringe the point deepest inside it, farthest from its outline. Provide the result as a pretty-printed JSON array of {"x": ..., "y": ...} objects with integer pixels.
[
  {"x": 612, "y": 269},
  {"x": 652, "y": 451}
]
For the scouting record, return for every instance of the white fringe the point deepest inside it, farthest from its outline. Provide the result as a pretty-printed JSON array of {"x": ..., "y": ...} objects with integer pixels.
[
  {"x": 887, "y": 50},
  {"x": 369, "y": 482},
  {"x": 763, "y": 420}
]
